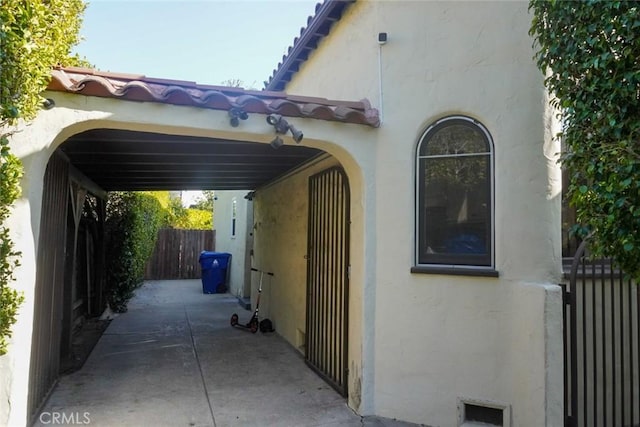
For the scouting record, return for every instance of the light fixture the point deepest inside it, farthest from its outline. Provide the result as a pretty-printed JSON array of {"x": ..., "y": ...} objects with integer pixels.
[
  {"x": 278, "y": 122},
  {"x": 277, "y": 142},
  {"x": 282, "y": 126},
  {"x": 273, "y": 119},
  {"x": 296, "y": 134},
  {"x": 48, "y": 104},
  {"x": 237, "y": 114}
]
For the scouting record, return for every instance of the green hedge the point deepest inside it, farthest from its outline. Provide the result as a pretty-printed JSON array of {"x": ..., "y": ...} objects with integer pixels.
[
  {"x": 589, "y": 52},
  {"x": 133, "y": 221},
  {"x": 10, "y": 299},
  {"x": 34, "y": 36}
]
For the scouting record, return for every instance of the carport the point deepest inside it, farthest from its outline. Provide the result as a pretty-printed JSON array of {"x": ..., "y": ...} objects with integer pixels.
[
  {"x": 173, "y": 359},
  {"x": 124, "y": 132}
]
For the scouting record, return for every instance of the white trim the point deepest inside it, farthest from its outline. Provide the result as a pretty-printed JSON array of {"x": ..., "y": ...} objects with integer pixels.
[
  {"x": 234, "y": 217},
  {"x": 418, "y": 158}
]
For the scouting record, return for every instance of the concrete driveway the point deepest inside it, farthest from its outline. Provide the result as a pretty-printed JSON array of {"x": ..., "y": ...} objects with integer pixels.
[{"x": 173, "y": 360}]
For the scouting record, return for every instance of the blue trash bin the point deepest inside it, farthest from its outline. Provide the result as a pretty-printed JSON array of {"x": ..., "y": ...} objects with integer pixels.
[{"x": 214, "y": 267}]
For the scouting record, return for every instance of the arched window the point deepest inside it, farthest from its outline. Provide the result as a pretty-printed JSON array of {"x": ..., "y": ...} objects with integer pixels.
[{"x": 454, "y": 195}]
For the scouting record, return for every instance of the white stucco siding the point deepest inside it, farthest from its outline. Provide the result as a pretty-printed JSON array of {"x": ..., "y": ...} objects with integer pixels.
[
  {"x": 236, "y": 244},
  {"x": 437, "y": 337}
]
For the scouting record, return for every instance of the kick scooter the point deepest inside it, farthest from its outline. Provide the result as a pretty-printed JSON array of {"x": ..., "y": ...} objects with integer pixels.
[{"x": 253, "y": 323}]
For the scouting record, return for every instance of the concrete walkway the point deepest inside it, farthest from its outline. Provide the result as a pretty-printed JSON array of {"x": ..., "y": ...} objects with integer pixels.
[{"x": 174, "y": 360}]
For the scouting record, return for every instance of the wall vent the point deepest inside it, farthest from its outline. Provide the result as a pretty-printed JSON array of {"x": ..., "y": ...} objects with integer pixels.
[{"x": 475, "y": 412}]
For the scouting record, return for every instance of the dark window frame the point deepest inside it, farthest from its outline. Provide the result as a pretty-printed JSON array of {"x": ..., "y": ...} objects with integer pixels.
[{"x": 425, "y": 262}]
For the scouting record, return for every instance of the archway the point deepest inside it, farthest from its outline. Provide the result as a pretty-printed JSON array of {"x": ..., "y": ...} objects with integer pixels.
[{"x": 95, "y": 161}]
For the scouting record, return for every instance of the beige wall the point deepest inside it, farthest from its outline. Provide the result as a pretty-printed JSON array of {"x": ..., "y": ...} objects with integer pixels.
[
  {"x": 281, "y": 213},
  {"x": 417, "y": 342},
  {"x": 281, "y": 218},
  {"x": 235, "y": 245},
  {"x": 435, "y": 338},
  {"x": 75, "y": 113}
]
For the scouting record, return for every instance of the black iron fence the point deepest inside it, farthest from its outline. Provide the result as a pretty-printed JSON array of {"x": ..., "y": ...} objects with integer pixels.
[{"x": 602, "y": 336}]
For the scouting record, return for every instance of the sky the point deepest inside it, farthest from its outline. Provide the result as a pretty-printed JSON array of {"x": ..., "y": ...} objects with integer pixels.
[{"x": 206, "y": 41}]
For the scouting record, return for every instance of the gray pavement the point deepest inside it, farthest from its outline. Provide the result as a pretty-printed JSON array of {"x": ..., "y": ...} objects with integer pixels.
[{"x": 174, "y": 360}]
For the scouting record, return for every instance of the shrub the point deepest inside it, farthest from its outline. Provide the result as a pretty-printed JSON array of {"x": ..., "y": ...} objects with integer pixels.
[
  {"x": 10, "y": 299},
  {"x": 34, "y": 36},
  {"x": 590, "y": 53},
  {"x": 133, "y": 221}
]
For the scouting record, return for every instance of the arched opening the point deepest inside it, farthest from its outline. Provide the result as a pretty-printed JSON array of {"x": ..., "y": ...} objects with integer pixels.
[{"x": 89, "y": 164}]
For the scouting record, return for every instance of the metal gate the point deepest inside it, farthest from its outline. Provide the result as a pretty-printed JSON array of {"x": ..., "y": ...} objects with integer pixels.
[
  {"x": 49, "y": 287},
  {"x": 328, "y": 277},
  {"x": 602, "y": 332}
]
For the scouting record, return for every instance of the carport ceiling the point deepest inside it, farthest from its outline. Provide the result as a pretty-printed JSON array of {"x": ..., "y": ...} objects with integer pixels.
[{"x": 127, "y": 161}]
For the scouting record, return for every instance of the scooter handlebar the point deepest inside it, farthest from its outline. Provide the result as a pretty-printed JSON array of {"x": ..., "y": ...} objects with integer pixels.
[{"x": 265, "y": 272}]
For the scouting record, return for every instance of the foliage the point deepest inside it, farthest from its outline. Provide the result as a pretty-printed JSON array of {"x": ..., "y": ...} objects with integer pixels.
[
  {"x": 164, "y": 197},
  {"x": 133, "y": 221},
  {"x": 197, "y": 217},
  {"x": 204, "y": 202},
  {"x": 590, "y": 53},
  {"x": 176, "y": 213},
  {"x": 10, "y": 299},
  {"x": 34, "y": 36}
]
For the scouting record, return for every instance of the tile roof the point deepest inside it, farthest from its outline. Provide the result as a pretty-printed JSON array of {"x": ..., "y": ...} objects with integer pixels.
[
  {"x": 133, "y": 87},
  {"x": 318, "y": 26}
]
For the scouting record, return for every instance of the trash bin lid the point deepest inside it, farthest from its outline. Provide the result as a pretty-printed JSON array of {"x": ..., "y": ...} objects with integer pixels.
[
  {"x": 221, "y": 257},
  {"x": 211, "y": 254}
]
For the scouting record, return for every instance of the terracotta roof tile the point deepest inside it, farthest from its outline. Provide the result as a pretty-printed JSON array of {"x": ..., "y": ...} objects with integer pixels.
[
  {"x": 140, "y": 88},
  {"x": 318, "y": 26}
]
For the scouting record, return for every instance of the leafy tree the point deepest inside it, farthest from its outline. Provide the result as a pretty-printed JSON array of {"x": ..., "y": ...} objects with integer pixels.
[
  {"x": 34, "y": 36},
  {"x": 590, "y": 54},
  {"x": 204, "y": 202},
  {"x": 176, "y": 213},
  {"x": 197, "y": 217}
]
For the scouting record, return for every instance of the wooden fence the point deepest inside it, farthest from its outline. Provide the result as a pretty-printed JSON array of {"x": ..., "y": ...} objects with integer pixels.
[{"x": 177, "y": 253}]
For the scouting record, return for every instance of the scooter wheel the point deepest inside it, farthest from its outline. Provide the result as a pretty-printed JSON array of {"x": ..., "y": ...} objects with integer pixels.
[
  {"x": 234, "y": 319},
  {"x": 253, "y": 325}
]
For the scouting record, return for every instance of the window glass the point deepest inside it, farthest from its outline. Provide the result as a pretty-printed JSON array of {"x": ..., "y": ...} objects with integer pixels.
[
  {"x": 234, "y": 210},
  {"x": 454, "y": 195}
]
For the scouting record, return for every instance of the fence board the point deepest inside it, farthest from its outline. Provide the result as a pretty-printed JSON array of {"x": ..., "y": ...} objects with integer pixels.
[{"x": 177, "y": 252}]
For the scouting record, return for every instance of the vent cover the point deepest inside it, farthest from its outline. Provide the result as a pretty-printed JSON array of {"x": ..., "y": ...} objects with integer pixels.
[{"x": 475, "y": 412}]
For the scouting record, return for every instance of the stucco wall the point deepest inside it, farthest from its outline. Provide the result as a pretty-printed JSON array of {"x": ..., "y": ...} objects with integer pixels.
[
  {"x": 35, "y": 143},
  {"x": 437, "y": 337},
  {"x": 417, "y": 342},
  {"x": 281, "y": 228},
  {"x": 235, "y": 245},
  {"x": 281, "y": 214}
]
